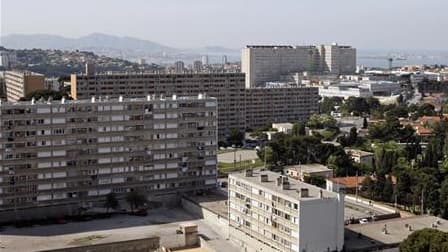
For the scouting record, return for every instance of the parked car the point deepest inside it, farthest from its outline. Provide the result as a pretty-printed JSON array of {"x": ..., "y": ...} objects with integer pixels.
[
  {"x": 141, "y": 212},
  {"x": 363, "y": 221}
]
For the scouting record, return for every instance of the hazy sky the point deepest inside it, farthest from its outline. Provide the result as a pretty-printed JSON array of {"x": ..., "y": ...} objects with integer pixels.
[{"x": 368, "y": 24}]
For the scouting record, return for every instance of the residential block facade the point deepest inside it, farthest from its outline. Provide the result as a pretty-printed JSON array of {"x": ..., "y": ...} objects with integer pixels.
[
  {"x": 268, "y": 212},
  {"x": 21, "y": 83},
  {"x": 228, "y": 88},
  {"x": 238, "y": 107},
  {"x": 76, "y": 152}
]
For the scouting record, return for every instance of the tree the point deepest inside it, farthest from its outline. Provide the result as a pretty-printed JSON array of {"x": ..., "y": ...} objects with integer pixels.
[
  {"x": 315, "y": 180},
  {"x": 365, "y": 124},
  {"x": 444, "y": 199},
  {"x": 45, "y": 94},
  {"x": 135, "y": 199},
  {"x": 425, "y": 240},
  {"x": 298, "y": 129},
  {"x": 235, "y": 137},
  {"x": 111, "y": 201}
]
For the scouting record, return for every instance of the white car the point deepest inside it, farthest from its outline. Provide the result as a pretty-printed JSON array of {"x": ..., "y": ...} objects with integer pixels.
[{"x": 363, "y": 221}]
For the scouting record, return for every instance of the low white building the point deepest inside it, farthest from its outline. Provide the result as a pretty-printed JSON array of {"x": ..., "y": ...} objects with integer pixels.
[
  {"x": 268, "y": 212},
  {"x": 283, "y": 127},
  {"x": 364, "y": 88}
]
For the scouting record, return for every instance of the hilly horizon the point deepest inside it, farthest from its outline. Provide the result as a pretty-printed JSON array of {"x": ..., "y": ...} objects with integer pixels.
[{"x": 102, "y": 43}]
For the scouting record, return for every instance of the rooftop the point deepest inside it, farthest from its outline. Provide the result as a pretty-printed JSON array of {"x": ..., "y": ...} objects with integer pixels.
[
  {"x": 161, "y": 223},
  {"x": 309, "y": 168},
  {"x": 110, "y": 100},
  {"x": 397, "y": 231},
  {"x": 359, "y": 152},
  {"x": 295, "y": 186}
]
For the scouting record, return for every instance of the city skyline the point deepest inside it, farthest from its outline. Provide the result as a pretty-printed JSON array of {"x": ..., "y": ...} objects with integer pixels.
[{"x": 206, "y": 23}]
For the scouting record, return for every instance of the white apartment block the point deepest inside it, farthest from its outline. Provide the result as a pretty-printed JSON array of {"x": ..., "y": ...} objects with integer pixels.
[
  {"x": 268, "y": 212},
  {"x": 263, "y": 64},
  {"x": 75, "y": 152}
]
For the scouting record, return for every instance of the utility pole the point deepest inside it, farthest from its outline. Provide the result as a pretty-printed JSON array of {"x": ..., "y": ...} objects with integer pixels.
[
  {"x": 356, "y": 187},
  {"x": 265, "y": 157},
  {"x": 422, "y": 207}
]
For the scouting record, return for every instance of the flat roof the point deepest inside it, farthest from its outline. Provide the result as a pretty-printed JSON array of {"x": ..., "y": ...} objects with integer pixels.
[
  {"x": 162, "y": 222},
  {"x": 293, "y": 193},
  {"x": 105, "y": 100},
  {"x": 309, "y": 167},
  {"x": 372, "y": 233},
  {"x": 359, "y": 152}
]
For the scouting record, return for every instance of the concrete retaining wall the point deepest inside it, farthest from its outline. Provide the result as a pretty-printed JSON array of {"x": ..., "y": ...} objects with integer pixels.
[{"x": 217, "y": 222}]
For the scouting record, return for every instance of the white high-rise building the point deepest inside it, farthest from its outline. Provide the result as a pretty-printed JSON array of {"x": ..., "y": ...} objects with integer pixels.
[
  {"x": 337, "y": 59},
  {"x": 263, "y": 64},
  {"x": 204, "y": 60}
]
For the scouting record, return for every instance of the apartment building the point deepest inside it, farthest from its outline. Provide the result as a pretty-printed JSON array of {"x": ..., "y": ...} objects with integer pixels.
[
  {"x": 263, "y": 64},
  {"x": 337, "y": 59},
  {"x": 21, "y": 83},
  {"x": 268, "y": 212},
  {"x": 280, "y": 105},
  {"x": 228, "y": 88},
  {"x": 267, "y": 63},
  {"x": 61, "y": 153}
]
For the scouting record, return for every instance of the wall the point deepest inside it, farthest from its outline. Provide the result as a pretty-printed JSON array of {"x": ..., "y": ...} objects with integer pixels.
[
  {"x": 218, "y": 223},
  {"x": 321, "y": 225}
]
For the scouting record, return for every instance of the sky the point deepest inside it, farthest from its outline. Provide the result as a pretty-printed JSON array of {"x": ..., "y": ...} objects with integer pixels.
[{"x": 366, "y": 24}]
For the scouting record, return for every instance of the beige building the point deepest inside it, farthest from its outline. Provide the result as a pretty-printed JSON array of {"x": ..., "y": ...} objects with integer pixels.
[
  {"x": 228, "y": 88},
  {"x": 75, "y": 152},
  {"x": 238, "y": 107},
  {"x": 21, "y": 83},
  {"x": 263, "y": 64},
  {"x": 362, "y": 157},
  {"x": 268, "y": 212},
  {"x": 308, "y": 170}
]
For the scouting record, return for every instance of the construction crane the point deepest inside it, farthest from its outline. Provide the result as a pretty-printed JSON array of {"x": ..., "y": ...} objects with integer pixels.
[{"x": 390, "y": 59}]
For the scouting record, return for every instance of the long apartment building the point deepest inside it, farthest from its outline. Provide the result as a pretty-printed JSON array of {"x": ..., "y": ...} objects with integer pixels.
[
  {"x": 238, "y": 107},
  {"x": 280, "y": 104},
  {"x": 228, "y": 88},
  {"x": 76, "y": 152},
  {"x": 263, "y": 64},
  {"x": 20, "y": 83},
  {"x": 268, "y": 212}
]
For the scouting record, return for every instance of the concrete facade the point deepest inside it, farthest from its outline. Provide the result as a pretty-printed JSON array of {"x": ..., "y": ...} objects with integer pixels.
[
  {"x": 227, "y": 88},
  {"x": 263, "y": 64},
  {"x": 282, "y": 215},
  {"x": 280, "y": 105},
  {"x": 21, "y": 83},
  {"x": 75, "y": 152},
  {"x": 238, "y": 107}
]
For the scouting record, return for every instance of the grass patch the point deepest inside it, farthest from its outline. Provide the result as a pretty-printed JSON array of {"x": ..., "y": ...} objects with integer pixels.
[{"x": 231, "y": 167}]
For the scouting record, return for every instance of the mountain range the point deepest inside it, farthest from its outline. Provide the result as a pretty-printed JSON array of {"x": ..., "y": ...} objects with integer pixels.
[{"x": 109, "y": 45}]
